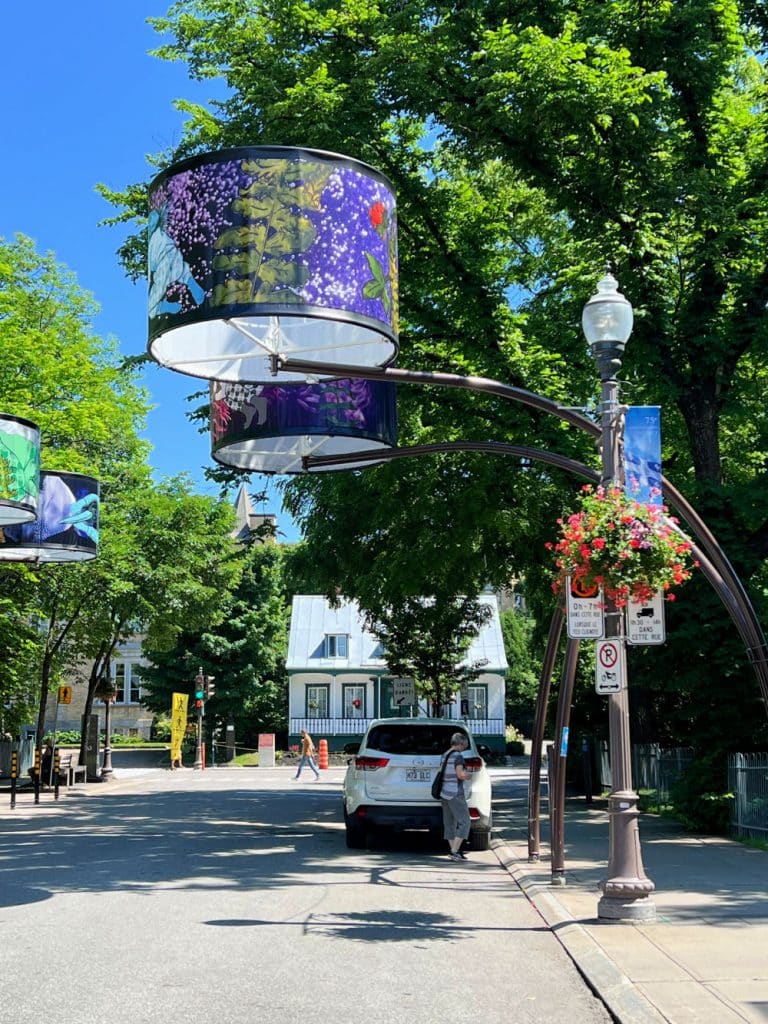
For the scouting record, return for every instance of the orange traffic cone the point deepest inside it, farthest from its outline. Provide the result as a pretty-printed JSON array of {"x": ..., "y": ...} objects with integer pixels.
[{"x": 322, "y": 754}]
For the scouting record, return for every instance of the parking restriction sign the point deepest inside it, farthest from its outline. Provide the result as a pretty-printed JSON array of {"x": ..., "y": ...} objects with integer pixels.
[
  {"x": 610, "y": 666},
  {"x": 585, "y": 610}
]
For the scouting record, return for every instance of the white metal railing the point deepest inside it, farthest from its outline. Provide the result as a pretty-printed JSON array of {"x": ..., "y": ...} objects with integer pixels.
[
  {"x": 335, "y": 726},
  {"x": 357, "y": 726}
]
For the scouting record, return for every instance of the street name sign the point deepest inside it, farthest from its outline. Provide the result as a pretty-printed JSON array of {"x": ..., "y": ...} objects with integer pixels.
[
  {"x": 610, "y": 666},
  {"x": 403, "y": 691},
  {"x": 585, "y": 611},
  {"x": 645, "y": 621}
]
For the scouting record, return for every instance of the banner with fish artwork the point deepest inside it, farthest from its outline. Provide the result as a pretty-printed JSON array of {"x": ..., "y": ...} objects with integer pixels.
[{"x": 67, "y": 524}]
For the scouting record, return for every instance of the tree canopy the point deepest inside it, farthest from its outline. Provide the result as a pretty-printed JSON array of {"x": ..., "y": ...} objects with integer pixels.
[{"x": 527, "y": 145}]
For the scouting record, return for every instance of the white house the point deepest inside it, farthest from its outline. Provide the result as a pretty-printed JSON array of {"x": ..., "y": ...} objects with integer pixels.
[{"x": 338, "y": 679}]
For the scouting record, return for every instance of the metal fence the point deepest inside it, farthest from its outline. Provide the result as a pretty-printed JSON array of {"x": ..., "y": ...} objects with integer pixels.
[
  {"x": 748, "y": 782},
  {"x": 653, "y": 767}
]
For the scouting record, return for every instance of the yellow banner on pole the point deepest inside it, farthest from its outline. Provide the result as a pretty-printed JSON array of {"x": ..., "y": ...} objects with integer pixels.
[{"x": 179, "y": 703}]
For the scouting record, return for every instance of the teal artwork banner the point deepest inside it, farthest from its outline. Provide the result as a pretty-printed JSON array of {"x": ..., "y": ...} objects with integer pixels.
[{"x": 642, "y": 454}]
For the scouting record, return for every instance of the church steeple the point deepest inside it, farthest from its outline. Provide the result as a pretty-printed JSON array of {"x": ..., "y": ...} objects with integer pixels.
[{"x": 247, "y": 521}]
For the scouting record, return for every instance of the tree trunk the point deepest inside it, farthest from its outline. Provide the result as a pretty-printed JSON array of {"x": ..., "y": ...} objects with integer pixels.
[{"x": 700, "y": 407}]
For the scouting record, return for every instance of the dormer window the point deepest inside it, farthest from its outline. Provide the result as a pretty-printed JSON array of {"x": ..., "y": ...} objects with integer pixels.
[{"x": 336, "y": 645}]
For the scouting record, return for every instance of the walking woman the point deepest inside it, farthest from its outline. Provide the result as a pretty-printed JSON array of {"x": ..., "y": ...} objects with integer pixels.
[
  {"x": 307, "y": 755},
  {"x": 453, "y": 798}
]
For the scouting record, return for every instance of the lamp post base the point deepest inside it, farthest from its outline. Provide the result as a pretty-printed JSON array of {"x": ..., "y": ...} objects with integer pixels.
[{"x": 622, "y": 908}]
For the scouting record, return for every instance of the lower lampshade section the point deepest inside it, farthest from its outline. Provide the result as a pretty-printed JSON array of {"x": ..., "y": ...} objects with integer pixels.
[
  {"x": 67, "y": 524},
  {"x": 268, "y": 428}
]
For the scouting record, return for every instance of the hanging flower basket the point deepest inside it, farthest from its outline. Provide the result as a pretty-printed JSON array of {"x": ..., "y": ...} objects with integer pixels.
[
  {"x": 356, "y": 703},
  {"x": 629, "y": 549}
]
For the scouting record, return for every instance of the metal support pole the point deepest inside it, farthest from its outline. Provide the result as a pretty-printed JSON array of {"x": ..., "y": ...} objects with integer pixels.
[
  {"x": 560, "y": 753},
  {"x": 56, "y": 768},
  {"x": 199, "y": 740},
  {"x": 106, "y": 764},
  {"x": 539, "y": 723},
  {"x": 626, "y": 891},
  {"x": 14, "y": 776}
]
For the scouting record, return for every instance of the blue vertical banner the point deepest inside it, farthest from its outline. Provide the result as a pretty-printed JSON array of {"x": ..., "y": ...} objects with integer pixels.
[{"x": 642, "y": 454}]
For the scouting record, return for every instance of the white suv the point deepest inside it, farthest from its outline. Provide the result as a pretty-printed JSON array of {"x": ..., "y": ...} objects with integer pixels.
[{"x": 388, "y": 781}]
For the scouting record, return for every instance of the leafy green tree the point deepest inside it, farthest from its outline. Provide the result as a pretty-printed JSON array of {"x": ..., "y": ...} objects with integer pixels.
[
  {"x": 525, "y": 146},
  {"x": 244, "y": 647},
  {"x": 90, "y": 410},
  {"x": 428, "y": 639},
  {"x": 518, "y": 630}
]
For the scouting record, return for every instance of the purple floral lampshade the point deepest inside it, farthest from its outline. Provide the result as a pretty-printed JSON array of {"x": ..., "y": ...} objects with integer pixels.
[
  {"x": 259, "y": 251},
  {"x": 19, "y": 470},
  {"x": 271, "y": 428},
  {"x": 67, "y": 526}
]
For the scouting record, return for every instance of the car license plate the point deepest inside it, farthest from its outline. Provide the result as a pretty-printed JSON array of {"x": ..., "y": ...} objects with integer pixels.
[{"x": 418, "y": 775}]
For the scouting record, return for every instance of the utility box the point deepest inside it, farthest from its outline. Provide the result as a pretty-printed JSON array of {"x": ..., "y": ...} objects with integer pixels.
[{"x": 266, "y": 750}]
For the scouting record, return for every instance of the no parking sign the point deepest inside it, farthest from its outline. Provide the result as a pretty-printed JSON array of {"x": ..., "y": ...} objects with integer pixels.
[{"x": 610, "y": 666}]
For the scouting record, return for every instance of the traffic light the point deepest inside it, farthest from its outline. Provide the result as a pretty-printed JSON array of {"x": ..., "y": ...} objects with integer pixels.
[
  {"x": 209, "y": 687},
  {"x": 199, "y": 683}
]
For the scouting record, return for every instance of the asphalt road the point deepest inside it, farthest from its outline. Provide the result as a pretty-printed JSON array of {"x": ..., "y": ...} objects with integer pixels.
[{"x": 229, "y": 896}]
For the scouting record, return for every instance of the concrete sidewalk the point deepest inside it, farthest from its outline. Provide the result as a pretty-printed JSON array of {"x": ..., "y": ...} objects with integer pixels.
[{"x": 704, "y": 960}]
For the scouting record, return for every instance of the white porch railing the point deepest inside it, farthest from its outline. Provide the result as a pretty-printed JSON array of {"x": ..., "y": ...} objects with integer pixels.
[
  {"x": 356, "y": 726},
  {"x": 334, "y": 726}
]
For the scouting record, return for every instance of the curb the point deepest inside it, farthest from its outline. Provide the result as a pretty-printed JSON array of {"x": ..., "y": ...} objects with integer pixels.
[{"x": 623, "y": 1001}]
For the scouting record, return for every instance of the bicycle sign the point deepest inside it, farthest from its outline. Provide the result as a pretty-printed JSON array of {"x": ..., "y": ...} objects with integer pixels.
[{"x": 610, "y": 666}]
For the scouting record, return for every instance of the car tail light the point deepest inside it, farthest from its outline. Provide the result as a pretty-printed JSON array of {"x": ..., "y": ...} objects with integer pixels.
[
  {"x": 474, "y": 813},
  {"x": 473, "y": 764},
  {"x": 371, "y": 764}
]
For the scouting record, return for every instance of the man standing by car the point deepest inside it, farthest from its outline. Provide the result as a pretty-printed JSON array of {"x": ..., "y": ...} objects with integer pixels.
[{"x": 453, "y": 798}]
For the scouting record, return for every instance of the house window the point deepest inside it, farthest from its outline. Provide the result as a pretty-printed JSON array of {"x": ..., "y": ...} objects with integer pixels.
[
  {"x": 127, "y": 683},
  {"x": 336, "y": 645},
  {"x": 478, "y": 701},
  {"x": 354, "y": 700},
  {"x": 317, "y": 701}
]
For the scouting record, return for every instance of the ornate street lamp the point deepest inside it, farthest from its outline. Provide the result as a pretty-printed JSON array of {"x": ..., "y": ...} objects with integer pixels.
[
  {"x": 106, "y": 691},
  {"x": 607, "y": 323}
]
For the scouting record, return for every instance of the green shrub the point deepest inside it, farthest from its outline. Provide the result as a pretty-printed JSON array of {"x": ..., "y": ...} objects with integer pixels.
[
  {"x": 161, "y": 729},
  {"x": 699, "y": 799},
  {"x": 515, "y": 748}
]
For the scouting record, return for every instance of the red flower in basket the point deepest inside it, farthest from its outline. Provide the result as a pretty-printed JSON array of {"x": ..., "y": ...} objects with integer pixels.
[{"x": 356, "y": 703}]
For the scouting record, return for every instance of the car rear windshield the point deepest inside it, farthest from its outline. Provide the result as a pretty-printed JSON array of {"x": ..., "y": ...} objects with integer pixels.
[{"x": 411, "y": 739}]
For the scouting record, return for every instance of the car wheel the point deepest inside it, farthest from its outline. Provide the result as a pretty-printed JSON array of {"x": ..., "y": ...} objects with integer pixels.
[
  {"x": 356, "y": 833},
  {"x": 355, "y": 836},
  {"x": 480, "y": 839}
]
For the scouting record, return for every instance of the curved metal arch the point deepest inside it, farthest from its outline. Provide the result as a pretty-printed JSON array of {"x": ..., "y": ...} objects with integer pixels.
[
  {"x": 712, "y": 572},
  {"x": 557, "y": 771},
  {"x": 738, "y": 602}
]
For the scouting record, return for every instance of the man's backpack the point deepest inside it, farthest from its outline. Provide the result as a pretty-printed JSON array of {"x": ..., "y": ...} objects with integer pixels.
[{"x": 437, "y": 782}]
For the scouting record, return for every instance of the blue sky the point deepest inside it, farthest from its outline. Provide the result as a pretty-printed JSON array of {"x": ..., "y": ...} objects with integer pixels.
[{"x": 85, "y": 103}]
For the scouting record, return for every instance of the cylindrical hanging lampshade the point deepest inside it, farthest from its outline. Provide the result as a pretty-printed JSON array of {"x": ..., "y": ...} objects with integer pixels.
[
  {"x": 19, "y": 469},
  {"x": 270, "y": 428},
  {"x": 67, "y": 525},
  {"x": 259, "y": 251}
]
